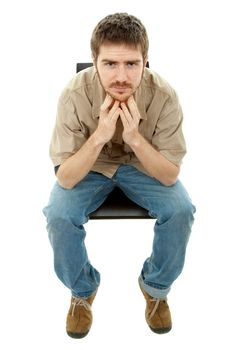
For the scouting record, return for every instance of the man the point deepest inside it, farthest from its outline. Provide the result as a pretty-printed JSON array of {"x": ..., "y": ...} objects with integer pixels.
[{"x": 118, "y": 124}]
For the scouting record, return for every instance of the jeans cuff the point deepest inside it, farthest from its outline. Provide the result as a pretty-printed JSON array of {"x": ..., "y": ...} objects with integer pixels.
[
  {"x": 83, "y": 295},
  {"x": 154, "y": 292}
]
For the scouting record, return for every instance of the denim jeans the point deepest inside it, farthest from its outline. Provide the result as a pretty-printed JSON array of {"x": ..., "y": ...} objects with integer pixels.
[{"x": 68, "y": 210}]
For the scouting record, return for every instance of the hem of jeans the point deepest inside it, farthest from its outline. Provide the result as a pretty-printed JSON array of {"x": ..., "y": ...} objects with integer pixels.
[
  {"x": 83, "y": 295},
  {"x": 154, "y": 292}
]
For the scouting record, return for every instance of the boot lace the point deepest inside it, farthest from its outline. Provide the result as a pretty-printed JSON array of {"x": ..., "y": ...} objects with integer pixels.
[
  {"x": 157, "y": 301},
  {"x": 79, "y": 302}
]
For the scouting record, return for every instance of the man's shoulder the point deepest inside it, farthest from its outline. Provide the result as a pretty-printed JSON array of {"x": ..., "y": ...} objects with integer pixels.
[
  {"x": 81, "y": 80},
  {"x": 80, "y": 85},
  {"x": 153, "y": 81}
]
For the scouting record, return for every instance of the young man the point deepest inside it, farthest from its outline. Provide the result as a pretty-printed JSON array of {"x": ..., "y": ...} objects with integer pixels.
[{"x": 118, "y": 124}]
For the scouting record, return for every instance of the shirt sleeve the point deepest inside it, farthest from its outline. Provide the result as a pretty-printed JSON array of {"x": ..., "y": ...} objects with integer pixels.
[
  {"x": 168, "y": 137},
  {"x": 68, "y": 134}
]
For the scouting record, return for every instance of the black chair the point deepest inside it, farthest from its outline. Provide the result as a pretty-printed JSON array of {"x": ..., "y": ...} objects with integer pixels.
[{"x": 117, "y": 205}]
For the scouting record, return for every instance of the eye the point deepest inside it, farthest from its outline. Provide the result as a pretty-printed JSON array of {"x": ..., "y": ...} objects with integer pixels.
[
  {"x": 110, "y": 64},
  {"x": 131, "y": 64}
]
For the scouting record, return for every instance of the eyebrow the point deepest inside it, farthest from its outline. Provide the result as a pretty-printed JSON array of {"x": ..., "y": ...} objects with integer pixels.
[{"x": 105, "y": 60}]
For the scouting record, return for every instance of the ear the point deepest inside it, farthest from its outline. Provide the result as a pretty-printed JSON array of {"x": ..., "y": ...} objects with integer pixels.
[
  {"x": 94, "y": 60},
  {"x": 145, "y": 61}
]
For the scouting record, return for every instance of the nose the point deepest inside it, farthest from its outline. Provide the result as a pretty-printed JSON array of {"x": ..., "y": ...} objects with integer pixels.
[{"x": 121, "y": 75}]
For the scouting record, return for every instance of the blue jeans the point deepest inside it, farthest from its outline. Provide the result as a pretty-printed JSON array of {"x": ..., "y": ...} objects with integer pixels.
[{"x": 68, "y": 210}]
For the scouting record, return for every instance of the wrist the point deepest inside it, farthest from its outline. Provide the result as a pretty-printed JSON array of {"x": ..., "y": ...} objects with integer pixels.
[
  {"x": 97, "y": 139},
  {"x": 136, "y": 141}
]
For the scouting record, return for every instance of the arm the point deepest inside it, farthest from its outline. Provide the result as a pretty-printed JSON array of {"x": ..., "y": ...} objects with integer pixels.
[
  {"x": 76, "y": 167},
  {"x": 152, "y": 160}
]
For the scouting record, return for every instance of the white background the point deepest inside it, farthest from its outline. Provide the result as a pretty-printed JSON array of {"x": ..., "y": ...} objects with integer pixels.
[{"x": 190, "y": 46}]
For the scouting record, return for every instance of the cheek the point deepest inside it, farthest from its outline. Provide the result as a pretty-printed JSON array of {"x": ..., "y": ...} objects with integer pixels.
[
  {"x": 105, "y": 79},
  {"x": 136, "y": 79},
  {"x": 139, "y": 77}
]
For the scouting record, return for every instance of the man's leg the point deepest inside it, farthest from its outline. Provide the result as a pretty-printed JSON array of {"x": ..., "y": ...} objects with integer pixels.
[
  {"x": 172, "y": 208},
  {"x": 66, "y": 213},
  {"x": 174, "y": 211}
]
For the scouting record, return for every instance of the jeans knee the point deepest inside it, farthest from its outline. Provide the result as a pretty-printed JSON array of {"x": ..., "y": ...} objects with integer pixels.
[
  {"x": 181, "y": 209},
  {"x": 61, "y": 215},
  {"x": 65, "y": 206},
  {"x": 186, "y": 209},
  {"x": 183, "y": 221},
  {"x": 184, "y": 215},
  {"x": 53, "y": 213},
  {"x": 178, "y": 216}
]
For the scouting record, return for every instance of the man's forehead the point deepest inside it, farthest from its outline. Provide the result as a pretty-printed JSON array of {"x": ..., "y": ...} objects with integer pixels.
[{"x": 111, "y": 50}]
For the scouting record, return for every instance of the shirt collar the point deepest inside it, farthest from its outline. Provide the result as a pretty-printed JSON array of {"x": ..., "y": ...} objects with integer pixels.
[{"x": 99, "y": 96}]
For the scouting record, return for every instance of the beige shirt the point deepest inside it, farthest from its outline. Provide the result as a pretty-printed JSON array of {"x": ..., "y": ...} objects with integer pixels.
[{"x": 77, "y": 119}]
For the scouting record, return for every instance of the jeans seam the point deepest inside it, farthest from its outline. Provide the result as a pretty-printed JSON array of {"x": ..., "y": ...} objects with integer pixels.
[
  {"x": 91, "y": 199},
  {"x": 147, "y": 207}
]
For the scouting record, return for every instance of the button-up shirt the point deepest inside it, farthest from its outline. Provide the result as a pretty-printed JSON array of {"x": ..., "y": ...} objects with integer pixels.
[{"x": 78, "y": 113}]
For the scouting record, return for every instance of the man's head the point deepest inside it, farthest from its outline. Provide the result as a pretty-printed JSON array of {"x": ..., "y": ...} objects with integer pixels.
[{"x": 119, "y": 46}]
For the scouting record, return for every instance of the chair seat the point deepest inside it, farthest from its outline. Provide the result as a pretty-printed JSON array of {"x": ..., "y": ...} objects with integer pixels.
[{"x": 118, "y": 206}]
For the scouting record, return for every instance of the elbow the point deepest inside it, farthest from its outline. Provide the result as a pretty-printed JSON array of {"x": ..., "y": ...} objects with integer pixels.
[
  {"x": 169, "y": 182},
  {"x": 169, "y": 179},
  {"x": 65, "y": 181},
  {"x": 66, "y": 184}
]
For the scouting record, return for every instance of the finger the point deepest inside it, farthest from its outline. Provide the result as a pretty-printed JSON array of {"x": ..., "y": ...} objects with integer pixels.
[
  {"x": 133, "y": 108},
  {"x": 126, "y": 113},
  {"x": 130, "y": 102},
  {"x": 113, "y": 109},
  {"x": 115, "y": 115},
  {"x": 107, "y": 103},
  {"x": 124, "y": 120},
  {"x": 130, "y": 99}
]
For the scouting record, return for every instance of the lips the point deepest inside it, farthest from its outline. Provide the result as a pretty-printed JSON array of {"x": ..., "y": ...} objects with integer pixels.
[{"x": 120, "y": 88}]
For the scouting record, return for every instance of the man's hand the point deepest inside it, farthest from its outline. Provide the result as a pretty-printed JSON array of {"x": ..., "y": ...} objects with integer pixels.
[
  {"x": 109, "y": 113},
  {"x": 77, "y": 166},
  {"x": 155, "y": 163},
  {"x": 130, "y": 118}
]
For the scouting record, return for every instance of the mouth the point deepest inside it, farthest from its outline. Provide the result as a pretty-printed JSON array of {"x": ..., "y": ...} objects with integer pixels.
[{"x": 120, "y": 89}]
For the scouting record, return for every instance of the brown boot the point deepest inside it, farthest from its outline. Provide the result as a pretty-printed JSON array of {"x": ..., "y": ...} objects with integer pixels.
[
  {"x": 158, "y": 315},
  {"x": 79, "y": 318}
]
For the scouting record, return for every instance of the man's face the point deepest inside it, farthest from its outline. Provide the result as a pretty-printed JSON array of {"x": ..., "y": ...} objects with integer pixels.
[{"x": 120, "y": 69}]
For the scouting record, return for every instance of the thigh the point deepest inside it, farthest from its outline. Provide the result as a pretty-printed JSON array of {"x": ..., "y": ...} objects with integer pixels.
[
  {"x": 77, "y": 203},
  {"x": 151, "y": 194}
]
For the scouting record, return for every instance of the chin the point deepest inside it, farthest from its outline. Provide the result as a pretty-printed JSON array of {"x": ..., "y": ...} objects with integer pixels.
[{"x": 119, "y": 97}]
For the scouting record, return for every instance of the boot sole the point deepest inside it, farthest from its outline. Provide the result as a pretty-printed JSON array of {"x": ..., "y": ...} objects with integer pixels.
[
  {"x": 77, "y": 335},
  {"x": 161, "y": 330}
]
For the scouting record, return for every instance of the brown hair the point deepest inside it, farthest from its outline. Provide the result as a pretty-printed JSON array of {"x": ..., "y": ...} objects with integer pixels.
[{"x": 120, "y": 28}]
